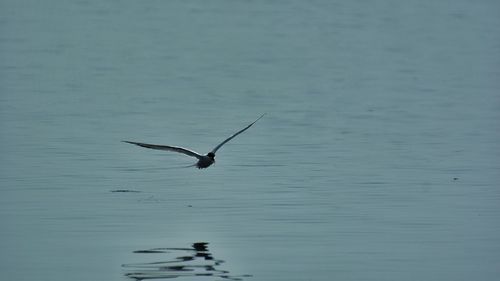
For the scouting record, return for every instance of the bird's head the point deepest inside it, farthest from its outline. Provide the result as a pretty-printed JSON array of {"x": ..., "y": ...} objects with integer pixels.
[{"x": 211, "y": 155}]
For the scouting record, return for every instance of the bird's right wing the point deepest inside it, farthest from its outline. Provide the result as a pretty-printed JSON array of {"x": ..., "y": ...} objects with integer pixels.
[
  {"x": 235, "y": 134},
  {"x": 168, "y": 148}
]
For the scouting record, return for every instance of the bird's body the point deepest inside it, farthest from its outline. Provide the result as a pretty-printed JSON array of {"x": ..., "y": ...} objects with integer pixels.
[{"x": 204, "y": 161}]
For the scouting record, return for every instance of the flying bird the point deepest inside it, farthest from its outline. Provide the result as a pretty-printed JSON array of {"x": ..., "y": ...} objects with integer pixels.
[{"x": 204, "y": 161}]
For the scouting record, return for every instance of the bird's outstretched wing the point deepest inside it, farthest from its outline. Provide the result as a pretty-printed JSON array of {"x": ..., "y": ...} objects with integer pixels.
[
  {"x": 239, "y": 132},
  {"x": 167, "y": 148}
]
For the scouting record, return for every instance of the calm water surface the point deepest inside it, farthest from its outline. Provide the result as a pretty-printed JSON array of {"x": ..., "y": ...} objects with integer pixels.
[{"x": 377, "y": 160}]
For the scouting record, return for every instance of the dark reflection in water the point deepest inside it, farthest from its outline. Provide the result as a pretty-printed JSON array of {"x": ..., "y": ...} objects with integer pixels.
[
  {"x": 196, "y": 261},
  {"x": 125, "y": 191}
]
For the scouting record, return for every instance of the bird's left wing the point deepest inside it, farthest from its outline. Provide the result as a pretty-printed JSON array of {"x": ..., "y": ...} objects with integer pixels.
[
  {"x": 168, "y": 148},
  {"x": 239, "y": 132}
]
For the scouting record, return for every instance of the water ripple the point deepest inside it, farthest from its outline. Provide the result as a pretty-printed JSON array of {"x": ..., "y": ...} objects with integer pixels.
[{"x": 196, "y": 261}]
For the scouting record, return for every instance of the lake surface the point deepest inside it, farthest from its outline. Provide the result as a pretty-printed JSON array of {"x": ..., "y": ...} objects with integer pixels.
[{"x": 378, "y": 158}]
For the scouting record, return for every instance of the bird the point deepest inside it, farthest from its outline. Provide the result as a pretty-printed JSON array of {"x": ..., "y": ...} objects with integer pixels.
[{"x": 204, "y": 161}]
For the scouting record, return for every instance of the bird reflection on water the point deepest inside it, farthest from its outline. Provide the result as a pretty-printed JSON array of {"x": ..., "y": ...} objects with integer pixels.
[{"x": 196, "y": 262}]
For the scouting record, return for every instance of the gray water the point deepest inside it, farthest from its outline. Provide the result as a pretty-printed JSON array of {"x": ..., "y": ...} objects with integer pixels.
[{"x": 377, "y": 159}]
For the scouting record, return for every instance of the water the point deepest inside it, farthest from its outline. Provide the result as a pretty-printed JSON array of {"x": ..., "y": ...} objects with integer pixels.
[{"x": 377, "y": 159}]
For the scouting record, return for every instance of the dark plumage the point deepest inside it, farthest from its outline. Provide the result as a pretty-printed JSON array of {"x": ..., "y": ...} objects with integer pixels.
[{"x": 204, "y": 161}]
